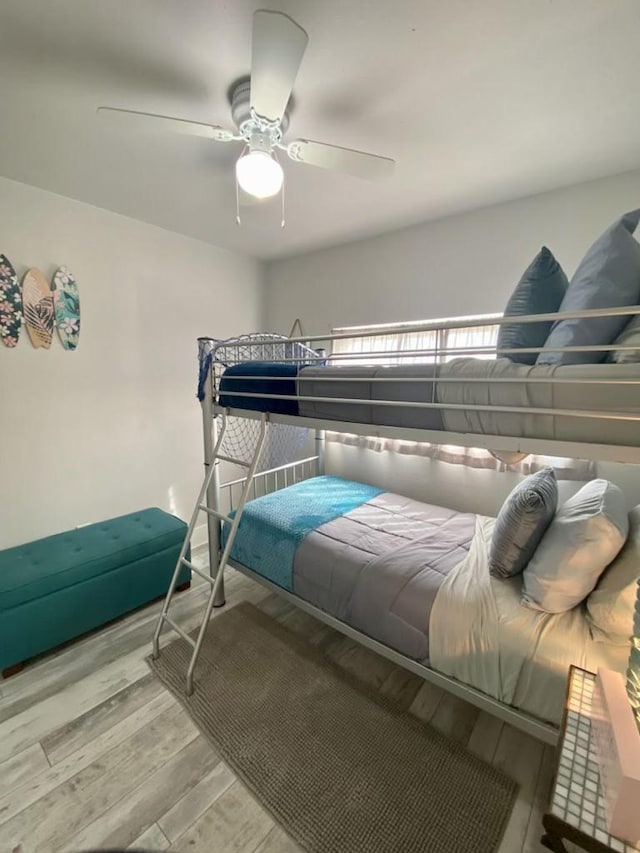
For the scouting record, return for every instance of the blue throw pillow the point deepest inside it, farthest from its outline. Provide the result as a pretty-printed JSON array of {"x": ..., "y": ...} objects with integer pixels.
[
  {"x": 608, "y": 277},
  {"x": 522, "y": 522},
  {"x": 540, "y": 291},
  {"x": 628, "y": 337}
]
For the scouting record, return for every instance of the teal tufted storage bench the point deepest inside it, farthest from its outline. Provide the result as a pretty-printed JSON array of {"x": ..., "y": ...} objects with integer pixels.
[{"x": 57, "y": 588}]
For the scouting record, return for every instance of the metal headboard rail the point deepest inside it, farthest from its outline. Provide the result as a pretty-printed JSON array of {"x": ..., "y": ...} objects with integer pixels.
[
  {"x": 272, "y": 480},
  {"x": 357, "y": 332},
  {"x": 272, "y": 347}
]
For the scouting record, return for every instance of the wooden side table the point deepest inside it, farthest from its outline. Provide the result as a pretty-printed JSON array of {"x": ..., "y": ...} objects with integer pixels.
[{"x": 576, "y": 809}]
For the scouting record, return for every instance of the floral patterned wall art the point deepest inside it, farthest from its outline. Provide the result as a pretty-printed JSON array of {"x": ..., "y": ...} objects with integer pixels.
[
  {"x": 66, "y": 302},
  {"x": 37, "y": 305},
  {"x": 10, "y": 303}
]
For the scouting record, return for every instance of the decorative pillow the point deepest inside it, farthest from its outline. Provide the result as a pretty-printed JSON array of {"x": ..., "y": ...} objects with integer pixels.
[
  {"x": 610, "y": 606},
  {"x": 628, "y": 337},
  {"x": 521, "y": 523},
  {"x": 540, "y": 291},
  {"x": 584, "y": 537},
  {"x": 608, "y": 277}
]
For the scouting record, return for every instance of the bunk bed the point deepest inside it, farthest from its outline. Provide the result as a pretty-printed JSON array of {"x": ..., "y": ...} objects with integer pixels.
[{"x": 309, "y": 537}]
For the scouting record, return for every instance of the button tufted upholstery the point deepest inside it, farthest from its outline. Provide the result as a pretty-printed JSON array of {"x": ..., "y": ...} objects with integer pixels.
[
  {"x": 59, "y": 587},
  {"x": 39, "y": 568}
]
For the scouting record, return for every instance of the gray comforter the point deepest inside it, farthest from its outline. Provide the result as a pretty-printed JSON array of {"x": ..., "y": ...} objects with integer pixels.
[
  {"x": 379, "y": 567},
  {"x": 612, "y": 392}
]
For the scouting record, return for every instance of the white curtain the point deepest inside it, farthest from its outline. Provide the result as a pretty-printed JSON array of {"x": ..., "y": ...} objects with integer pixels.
[
  {"x": 399, "y": 344},
  {"x": 476, "y": 341},
  {"x": 405, "y": 348}
]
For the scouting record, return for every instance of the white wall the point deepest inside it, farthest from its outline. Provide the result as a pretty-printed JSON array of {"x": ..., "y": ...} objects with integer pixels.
[
  {"x": 114, "y": 426},
  {"x": 456, "y": 486},
  {"x": 460, "y": 265}
]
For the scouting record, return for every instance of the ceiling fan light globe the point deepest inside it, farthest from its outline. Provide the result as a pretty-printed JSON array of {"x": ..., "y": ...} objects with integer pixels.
[{"x": 259, "y": 175}]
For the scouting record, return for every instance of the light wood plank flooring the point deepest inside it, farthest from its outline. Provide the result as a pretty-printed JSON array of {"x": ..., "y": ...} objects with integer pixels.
[{"x": 95, "y": 753}]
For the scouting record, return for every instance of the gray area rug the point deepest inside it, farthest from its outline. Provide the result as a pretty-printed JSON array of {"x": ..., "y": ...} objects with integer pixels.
[{"x": 342, "y": 769}]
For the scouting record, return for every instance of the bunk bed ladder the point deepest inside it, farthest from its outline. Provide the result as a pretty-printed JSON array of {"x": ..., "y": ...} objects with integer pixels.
[{"x": 214, "y": 579}]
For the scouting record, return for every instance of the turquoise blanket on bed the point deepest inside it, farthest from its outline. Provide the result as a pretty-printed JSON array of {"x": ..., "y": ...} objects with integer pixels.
[{"x": 272, "y": 527}]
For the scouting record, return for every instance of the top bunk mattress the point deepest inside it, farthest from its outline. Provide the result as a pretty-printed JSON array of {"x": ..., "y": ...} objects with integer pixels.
[{"x": 463, "y": 383}]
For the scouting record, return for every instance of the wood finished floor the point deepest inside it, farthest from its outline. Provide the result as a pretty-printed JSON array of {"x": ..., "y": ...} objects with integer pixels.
[{"x": 94, "y": 753}]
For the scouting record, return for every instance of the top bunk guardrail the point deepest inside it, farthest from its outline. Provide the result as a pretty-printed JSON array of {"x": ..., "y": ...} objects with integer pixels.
[
  {"x": 443, "y": 376},
  {"x": 273, "y": 347}
]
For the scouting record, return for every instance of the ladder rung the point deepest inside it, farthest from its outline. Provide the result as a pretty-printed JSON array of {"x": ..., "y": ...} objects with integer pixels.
[
  {"x": 198, "y": 571},
  {"x": 234, "y": 461},
  {"x": 216, "y": 514},
  {"x": 179, "y": 630}
]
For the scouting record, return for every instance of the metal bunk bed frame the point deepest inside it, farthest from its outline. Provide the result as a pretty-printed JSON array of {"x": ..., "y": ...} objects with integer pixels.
[{"x": 217, "y": 354}]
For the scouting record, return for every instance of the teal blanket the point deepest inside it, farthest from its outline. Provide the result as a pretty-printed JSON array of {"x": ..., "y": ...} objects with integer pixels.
[{"x": 272, "y": 527}]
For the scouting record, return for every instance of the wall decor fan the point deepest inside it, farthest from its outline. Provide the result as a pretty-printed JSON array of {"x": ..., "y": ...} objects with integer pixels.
[{"x": 259, "y": 111}]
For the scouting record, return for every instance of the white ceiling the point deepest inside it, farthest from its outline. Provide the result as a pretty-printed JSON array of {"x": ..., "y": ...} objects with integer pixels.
[{"x": 479, "y": 102}]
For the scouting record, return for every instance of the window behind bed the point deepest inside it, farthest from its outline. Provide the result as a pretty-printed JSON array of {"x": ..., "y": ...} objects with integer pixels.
[
  {"x": 403, "y": 343},
  {"x": 399, "y": 343}
]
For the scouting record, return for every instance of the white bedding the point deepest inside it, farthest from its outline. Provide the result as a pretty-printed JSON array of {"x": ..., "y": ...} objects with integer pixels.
[{"x": 480, "y": 634}]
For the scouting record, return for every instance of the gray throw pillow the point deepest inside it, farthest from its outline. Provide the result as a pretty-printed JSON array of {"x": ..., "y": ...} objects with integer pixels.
[
  {"x": 608, "y": 277},
  {"x": 521, "y": 523},
  {"x": 628, "y": 337},
  {"x": 586, "y": 534},
  {"x": 540, "y": 291},
  {"x": 610, "y": 606}
]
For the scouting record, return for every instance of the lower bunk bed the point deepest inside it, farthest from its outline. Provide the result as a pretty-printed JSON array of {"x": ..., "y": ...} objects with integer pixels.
[{"x": 411, "y": 581}]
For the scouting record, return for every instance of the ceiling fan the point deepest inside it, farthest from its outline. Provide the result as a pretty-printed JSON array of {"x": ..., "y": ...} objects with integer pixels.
[{"x": 259, "y": 111}]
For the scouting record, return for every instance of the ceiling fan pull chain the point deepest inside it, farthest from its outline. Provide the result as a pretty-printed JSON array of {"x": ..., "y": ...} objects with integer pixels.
[
  {"x": 238, "y": 220},
  {"x": 277, "y": 159}
]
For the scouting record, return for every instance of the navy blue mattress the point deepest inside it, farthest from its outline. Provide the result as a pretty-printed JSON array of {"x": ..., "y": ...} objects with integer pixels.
[{"x": 274, "y": 378}]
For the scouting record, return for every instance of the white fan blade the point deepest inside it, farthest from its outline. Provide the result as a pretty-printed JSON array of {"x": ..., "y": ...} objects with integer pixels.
[
  {"x": 278, "y": 45},
  {"x": 177, "y": 125},
  {"x": 347, "y": 160}
]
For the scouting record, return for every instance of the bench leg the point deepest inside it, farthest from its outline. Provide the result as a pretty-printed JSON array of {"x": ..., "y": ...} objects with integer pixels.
[
  {"x": 14, "y": 669},
  {"x": 183, "y": 586}
]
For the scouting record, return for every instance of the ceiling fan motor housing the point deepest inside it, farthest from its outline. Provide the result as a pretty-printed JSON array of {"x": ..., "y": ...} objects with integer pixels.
[
  {"x": 261, "y": 141},
  {"x": 250, "y": 125}
]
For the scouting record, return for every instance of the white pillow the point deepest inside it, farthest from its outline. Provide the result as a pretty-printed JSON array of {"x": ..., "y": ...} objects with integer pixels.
[
  {"x": 610, "y": 606},
  {"x": 583, "y": 538}
]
